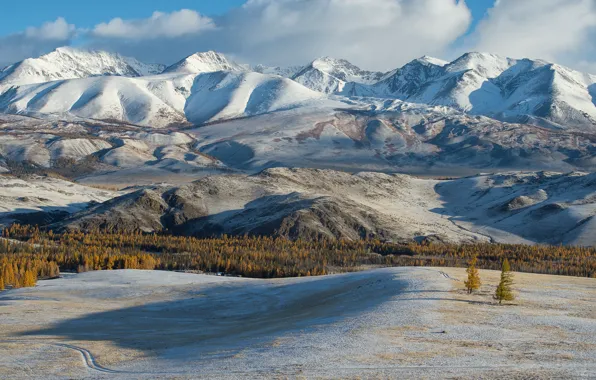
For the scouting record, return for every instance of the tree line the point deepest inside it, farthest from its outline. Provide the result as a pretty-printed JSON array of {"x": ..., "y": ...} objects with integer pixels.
[{"x": 44, "y": 254}]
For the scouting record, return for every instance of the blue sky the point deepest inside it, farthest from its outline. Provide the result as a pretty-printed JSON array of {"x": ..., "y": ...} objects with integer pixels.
[
  {"x": 374, "y": 34},
  {"x": 86, "y": 14}
]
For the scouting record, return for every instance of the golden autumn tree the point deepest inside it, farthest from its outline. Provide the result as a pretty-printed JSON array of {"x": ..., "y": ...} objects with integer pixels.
[
  {"x": 504, "y": 290},
  {"x": 473, "y": 281},
  {"x": 9, "y": 276},
  {"x": 29, "y": 279}
]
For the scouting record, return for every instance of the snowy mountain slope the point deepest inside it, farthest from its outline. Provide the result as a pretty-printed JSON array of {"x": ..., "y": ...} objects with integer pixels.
[
  {"x": 531, "y": 207},
  {"x": 204, "y": 63},
  {"x": 69, "y": 63},
  {"x": 398, "y": 136},
  {"x": 93, "y": 148},
  {"x": 286, "y": 72},
  {"x": 486, "y": 84},
  {"x": 160, "y": 100},
  {"x": 370, "y": 134},
  {"x": 542, "y": 207},
  {"x": 251, "y": 121},
  {"x": 37, "y": 194},
  {"x": 524, "y": 91},
  {"x": 225, "y": 95},
  {"x": 329, "y": 75},
  {"x": 292, "y": 203},
  {"x": 117, "y": 98}
]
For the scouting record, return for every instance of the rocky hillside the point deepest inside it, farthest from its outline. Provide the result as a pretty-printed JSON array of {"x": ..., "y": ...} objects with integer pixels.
[{"x": 527, "y": 208}]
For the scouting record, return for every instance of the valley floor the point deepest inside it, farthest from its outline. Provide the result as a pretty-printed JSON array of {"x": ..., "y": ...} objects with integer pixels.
[{"x": 386, "y": 323}]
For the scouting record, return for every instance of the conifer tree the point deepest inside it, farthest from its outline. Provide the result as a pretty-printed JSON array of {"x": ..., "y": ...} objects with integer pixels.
[
  {"x": 29, "y": 279},
  {"x": 473, "y": 281},
  {"x": 9, "y": 277},
  {"x": 504, "y": 291}
]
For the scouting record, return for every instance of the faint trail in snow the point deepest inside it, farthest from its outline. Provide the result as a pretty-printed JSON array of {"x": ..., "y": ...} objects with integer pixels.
[
  {"x": 446, "y": 275},
  {"x": 88, "y": 358}
]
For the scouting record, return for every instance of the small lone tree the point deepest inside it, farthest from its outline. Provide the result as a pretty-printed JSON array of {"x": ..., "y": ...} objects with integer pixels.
[
  {"x": 473, "y": 281},
  {"x": 504, "y": 291}
]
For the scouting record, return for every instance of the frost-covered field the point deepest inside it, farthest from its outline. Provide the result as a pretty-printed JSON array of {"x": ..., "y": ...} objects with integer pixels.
[{"x": 388, "y": 323}]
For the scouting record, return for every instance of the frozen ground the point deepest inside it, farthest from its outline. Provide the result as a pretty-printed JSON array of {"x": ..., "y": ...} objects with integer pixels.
[
  {"x": 387, "y": 323},
  {"x": 512, "y": 207},
  {"x": 36, "y": 193}
]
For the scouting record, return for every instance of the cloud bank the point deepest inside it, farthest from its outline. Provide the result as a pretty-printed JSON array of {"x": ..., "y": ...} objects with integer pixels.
[
  {"x": 159, "y": 25},
  {"x": 378, "y": 34},
  {"x": 555, "y": 30},
  {"x": 375, "y": 34}
]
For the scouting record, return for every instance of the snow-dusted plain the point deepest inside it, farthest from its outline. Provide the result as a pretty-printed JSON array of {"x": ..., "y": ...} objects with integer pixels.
[{"x": 388, "y": 323}]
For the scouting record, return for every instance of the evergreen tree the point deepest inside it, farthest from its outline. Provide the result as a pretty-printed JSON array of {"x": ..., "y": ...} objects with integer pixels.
[
  {"x": 504, "y": 291},
  {"x": 473, "y": 281}
]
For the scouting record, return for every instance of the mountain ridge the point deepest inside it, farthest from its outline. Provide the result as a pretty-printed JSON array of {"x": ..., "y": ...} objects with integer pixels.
[
  {"x": 70, "y": 63},
  {"x": 506, "y": 89},
  {"x": 205, "y": 62}
]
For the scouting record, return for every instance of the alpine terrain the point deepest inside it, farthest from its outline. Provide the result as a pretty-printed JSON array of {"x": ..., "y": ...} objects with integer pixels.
[
  {"x": 219, "y": 219},
  {"x": 201, "y": 147}
]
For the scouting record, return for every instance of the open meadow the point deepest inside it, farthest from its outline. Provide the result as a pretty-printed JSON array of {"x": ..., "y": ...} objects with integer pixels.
[{"x": 385, "y": 323}]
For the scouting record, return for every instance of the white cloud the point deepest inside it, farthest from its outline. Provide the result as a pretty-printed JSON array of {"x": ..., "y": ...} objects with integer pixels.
[
  {"x": 377, "y": 34},
  {"x": 168, "y": 25},
  {"x": 556, "y": 30},
  {"x": 58, "y": 30},
  {"x": 34, "y": 41}
]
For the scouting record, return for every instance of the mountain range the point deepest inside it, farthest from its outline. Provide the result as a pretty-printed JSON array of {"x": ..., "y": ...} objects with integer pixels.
[
  {"x": 512, "y": 90},
  {"x": 209, "y": 146},
  {"x": 208, "y": 113}
]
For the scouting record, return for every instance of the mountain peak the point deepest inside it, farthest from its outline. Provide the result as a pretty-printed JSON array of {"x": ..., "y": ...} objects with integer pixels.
[
  {"x": 329, "y": 75},
  {"x": 431, "y": 60},
  {"x": 210, "y": 54},
  {"x": 485, "y": 64},
  {"x": 204, "y": 62},
  {"x": 64, "y": 49},
  {"x": 72, "y": 63}
]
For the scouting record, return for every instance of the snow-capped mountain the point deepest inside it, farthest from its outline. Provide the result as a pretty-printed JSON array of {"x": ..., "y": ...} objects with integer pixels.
[
  {"x": 161, "y": 100},
  {"x": 228, "y": 95},
  {"x": 486, "y": 84},
  {"x": 515, "y": 90},
  {"x": 204, "y": 63},
  {"x": 329, "y": 75},
  {"x": 70, "y": 63}
]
